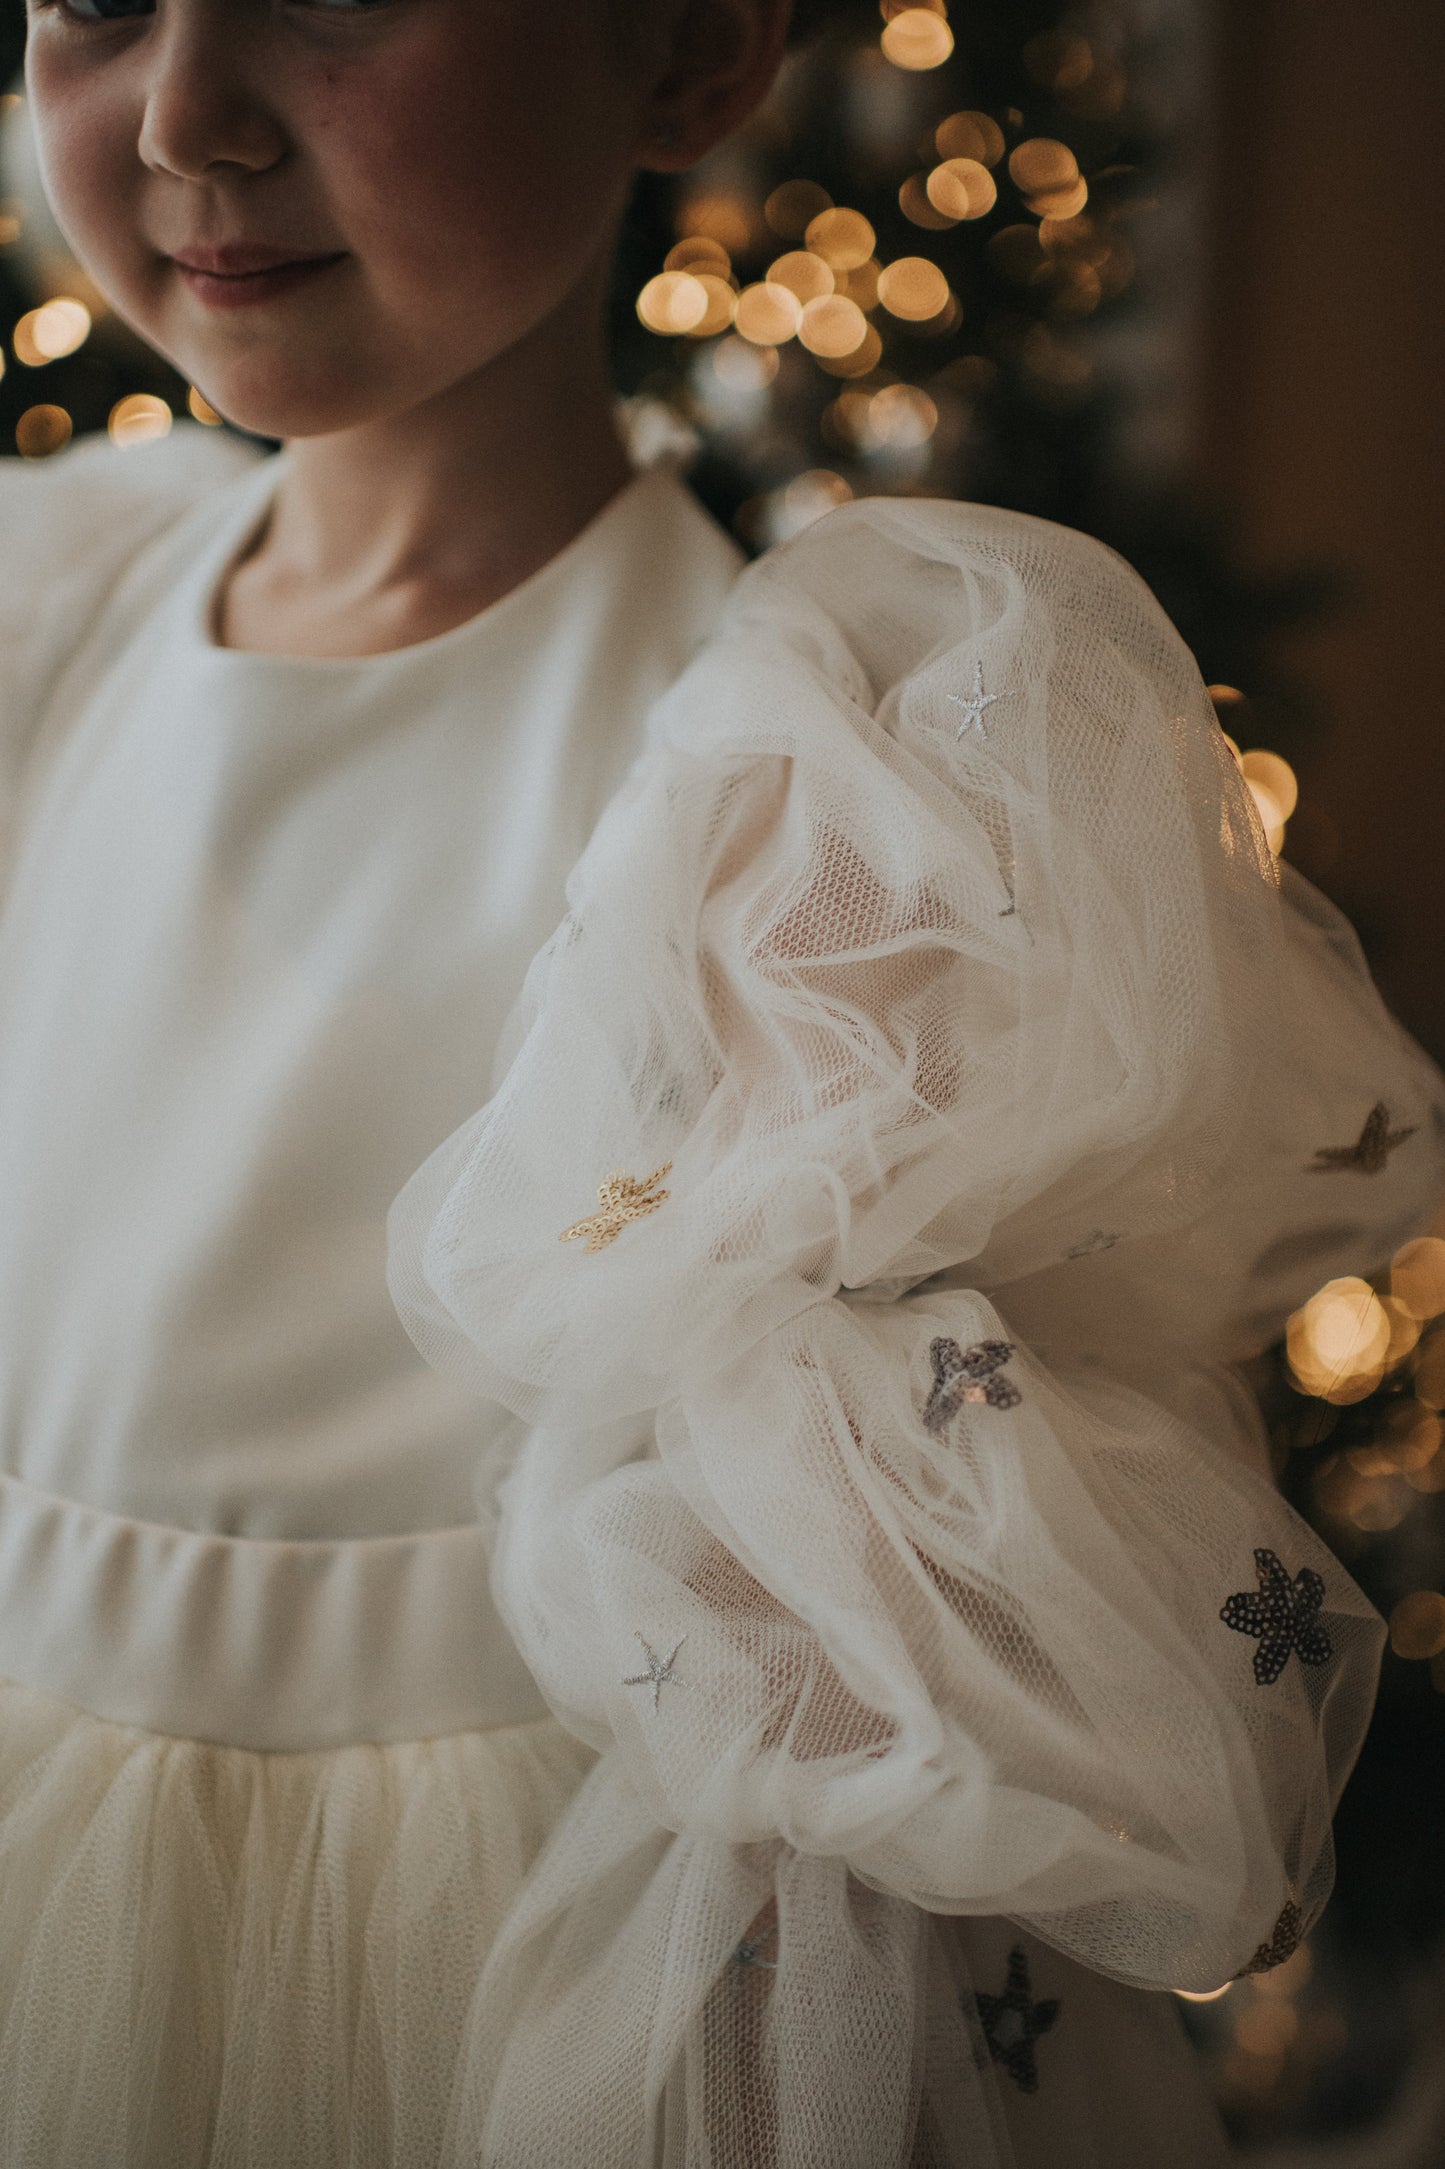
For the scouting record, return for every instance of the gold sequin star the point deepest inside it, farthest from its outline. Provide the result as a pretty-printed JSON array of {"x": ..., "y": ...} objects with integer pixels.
[
  {"x": 621, "y": 1198},
  {"x": 1371, "y": 1149}
]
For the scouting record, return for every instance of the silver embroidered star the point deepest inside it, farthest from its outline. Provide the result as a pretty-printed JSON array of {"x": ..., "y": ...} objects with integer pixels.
[
  {"x": 659, "y": 1673},
  {"x": 976, "y": 704}
]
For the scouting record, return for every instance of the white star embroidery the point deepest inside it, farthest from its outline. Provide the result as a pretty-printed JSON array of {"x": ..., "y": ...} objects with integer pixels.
[
  {"x": 976, "y": 703},
  {"x": 659, "y": 1673}
]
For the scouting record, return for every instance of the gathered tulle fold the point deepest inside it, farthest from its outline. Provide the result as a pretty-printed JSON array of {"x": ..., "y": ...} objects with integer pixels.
[
  {"x": 217, "y": 1959},
  {"x": 910, "y": 1119}
]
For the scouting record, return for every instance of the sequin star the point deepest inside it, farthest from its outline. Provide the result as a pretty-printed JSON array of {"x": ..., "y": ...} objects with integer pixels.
[
  {"x": 1013, "y": 2022},
  {"x": 1371, "y": 1149},
  {"x": 622, "y": 1198},
  {"x": 967, "y": 1374},
  {"x": 976, "y": 704},
  {"x": 749, "y": 1953},
  {"x": 1284, "y": 1941},
  {"x": 1282, "y": 1615},
  {"x": 1092, "y": 1245},
  {"x": 659, "y": 1673}
]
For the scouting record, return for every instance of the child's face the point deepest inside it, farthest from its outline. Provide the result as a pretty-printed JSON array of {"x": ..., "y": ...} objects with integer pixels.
[{"x": 453, "y": 170}]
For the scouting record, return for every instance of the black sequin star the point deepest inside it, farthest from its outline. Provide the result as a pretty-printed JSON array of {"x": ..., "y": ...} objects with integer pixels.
[
  {"x": 1282, "y": 1615},
  {"x": 1013, "y": 2022},
  {"x": 1371, "y": 1149},
  {"x": 1284, "y": 1941},
  {"x": 967, "y": 1374}
]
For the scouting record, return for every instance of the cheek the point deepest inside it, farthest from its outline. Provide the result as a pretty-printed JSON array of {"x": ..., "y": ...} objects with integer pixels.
[
  {"x": 471, "y": 176},
  {"x": 85, "y": 140}
]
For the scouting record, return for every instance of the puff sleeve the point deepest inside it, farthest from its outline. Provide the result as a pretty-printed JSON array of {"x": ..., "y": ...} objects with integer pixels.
[{"x": 930, "y": 1092}]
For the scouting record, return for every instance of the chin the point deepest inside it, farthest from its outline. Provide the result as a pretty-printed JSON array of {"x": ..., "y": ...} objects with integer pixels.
[{"x": 281, "y": 401}]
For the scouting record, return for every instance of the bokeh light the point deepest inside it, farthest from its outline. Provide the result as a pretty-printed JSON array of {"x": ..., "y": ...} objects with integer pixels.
[
  {"x": 962, "y": 188},
  {"x": 52, "y": 331},
  {"x": 844, "y": 239},
  {"x": 674, "y": 302},
  {"x": 917, "y": 40},
  {"x": 913, "y": 288},
  {"x": 42, "y": 431},
  {"x": 140, "y": 418},
  {"x": 768, "y": 315}
]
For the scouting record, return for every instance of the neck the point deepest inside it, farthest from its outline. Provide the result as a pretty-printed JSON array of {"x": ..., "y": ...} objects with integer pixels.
[{"x": 396, "y": 530}]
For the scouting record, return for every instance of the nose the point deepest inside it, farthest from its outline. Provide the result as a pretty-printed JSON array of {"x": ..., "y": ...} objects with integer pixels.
[{"x": 205, "y": 110}]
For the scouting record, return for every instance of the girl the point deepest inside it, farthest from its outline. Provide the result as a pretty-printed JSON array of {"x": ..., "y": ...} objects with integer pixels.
[{"x": 814, "y": 1653}]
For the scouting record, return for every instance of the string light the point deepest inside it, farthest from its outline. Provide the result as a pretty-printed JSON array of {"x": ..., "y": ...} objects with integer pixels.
[
  {"x": 140, "y": 418},
  {"x": 41, "y": 431},
  {"x": 52, "y": 331},
  {"x": 917, "y": 40}
]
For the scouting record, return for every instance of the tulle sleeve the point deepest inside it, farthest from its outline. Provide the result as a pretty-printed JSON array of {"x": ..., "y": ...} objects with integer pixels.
[{"x": 929, "y": 1092}]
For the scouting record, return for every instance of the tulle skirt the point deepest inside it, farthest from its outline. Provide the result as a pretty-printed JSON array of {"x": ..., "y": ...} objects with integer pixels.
[{"x": 212, "y": 1958}]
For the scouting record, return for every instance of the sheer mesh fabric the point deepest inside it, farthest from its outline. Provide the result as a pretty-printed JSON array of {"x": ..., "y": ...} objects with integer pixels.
[
  {"x": 942, "y": 1029},
  {"x": 226, "y": 1960}
]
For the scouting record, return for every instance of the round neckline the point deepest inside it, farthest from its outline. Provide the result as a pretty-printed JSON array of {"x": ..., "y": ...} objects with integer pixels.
[{"x": 256, "y": 502}]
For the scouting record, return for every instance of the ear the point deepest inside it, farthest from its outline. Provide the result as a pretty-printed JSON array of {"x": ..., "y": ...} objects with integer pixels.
[{"x": 719, "y": 61}]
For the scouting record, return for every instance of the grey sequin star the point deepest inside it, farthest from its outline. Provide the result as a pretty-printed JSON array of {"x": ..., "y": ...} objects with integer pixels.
[
  {"x": 1282, "y": 1615},
  {"x": 1013, "y": 2022},
  {"x": 1284, "y": 1941},
  {"x": 659, "y": 1673},
  {"x": 976, "y": 704},
  {"x": 967, "y": 1374},
  {"x": 1370, "y": 1151}
]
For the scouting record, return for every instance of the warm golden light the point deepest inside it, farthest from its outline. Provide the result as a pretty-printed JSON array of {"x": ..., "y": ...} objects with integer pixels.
[
  {"x": 1041, "y": 165},
  {"x": 1417, "y": 1277},
  {"x": 970, "y": 135},
  {"x": 962, "y": 188},
  {"x": 673, "y": 303},
  {"x": 832, "y": 326},
  {"x": 900, "y": 417},
  {"x": 52, "y": 331},
  {"x": 913, "y": 288},
  {"x": 201, "y": 410},
  {"x": 793, "y": 206},
  {"x": 803, "y": 273},
  {"x": 1274, "y": 777},
  {"x": 41, "y": 431},
  {"x": 1203, "y": 1995},
  {"x": 1339, "y": 1342},
  {"x": 768, "y": 315},
  {"x": 728, "y": 219},
  {"x": 140, "y": 418},
  {"x": 917, "y": 39},
  {"x": 861, "y": 283},
  {"x": 914, "y": 204},
  {"x": 1417, "y": 1625},
  {"x": 844, "y": 239},
  {"x": 857, "y": 364},
  {"x": 1060, "y": 203},
  {"x": 698, "y": 252}
]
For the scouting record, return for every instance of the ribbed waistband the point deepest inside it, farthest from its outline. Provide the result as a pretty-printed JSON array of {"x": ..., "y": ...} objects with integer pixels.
[{"x": 254, "y": 1643}]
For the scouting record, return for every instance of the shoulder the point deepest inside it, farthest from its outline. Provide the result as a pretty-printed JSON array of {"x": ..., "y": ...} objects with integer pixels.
[
  {"x": 69, "y": 529},
  {"x": 896, "y": 614},
  {"x": 920, "y": 566},
  {"x": 97, "y": 500}
]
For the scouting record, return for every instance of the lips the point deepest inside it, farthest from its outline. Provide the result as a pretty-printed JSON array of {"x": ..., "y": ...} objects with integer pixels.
[{"x": 245, "y": 260}]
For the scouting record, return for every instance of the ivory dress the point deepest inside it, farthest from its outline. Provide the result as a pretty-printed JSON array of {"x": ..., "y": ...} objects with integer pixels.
[{"x": 827, "y": 1283}]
